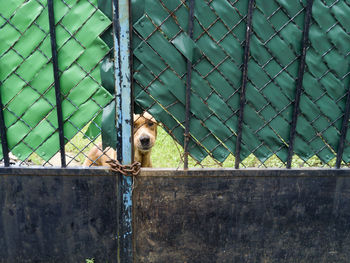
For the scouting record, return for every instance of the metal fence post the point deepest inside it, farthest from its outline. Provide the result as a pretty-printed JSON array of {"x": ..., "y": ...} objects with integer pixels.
[
  {"x": 123, "y": 91},
  {"x": 299, "y": 85},
  {"x": 57, "y": 82},
  {"x": 343, "y": 131},
  {"x": 188, "y": 88},
  {"x": 244, "y": 83},
  {"x": 4, "y": 145}
]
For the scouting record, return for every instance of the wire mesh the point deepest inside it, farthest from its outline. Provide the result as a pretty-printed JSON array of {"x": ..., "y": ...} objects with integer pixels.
[
  {"x": 27, "y": 82},
  {"x": 162, "y": 46},
  {"x": 164, "y": 53}
]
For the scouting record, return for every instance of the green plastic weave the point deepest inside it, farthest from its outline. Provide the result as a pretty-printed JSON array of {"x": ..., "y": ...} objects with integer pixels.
[
  {"x": 26, "y": 71},
  {"x": 161, "y": 48}
]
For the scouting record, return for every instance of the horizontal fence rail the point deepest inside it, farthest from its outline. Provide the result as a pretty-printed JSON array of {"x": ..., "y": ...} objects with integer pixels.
[{"x": 269, "y": 214}]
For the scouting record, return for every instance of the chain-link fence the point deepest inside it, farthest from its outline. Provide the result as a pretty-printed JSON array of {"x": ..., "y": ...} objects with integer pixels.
[
  {"x": 266, "y": 81},
  {"x": 31, "y": 109}
]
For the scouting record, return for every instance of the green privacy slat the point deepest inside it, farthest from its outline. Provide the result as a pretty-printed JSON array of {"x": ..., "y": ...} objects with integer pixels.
[
  {"x": 36, "y": 112},
  {"x": 204, "y": 14},
  {"x": 26, "y": 14},
  {"x": 214, "y": 53},
  {"x": 23, "y": 101},
  {"x": 98, "y": 49},
  {"x": 322, "y": 15},
  {"x": 12, "y": 86},
  {"x": 332, "y": 60},
  {"x": 33, "y": 35},
  {"x": 92, "y": 28},
  {"x": 65, "y": 56},
  {"x": 162, "y": 46},
  {"x": 333, "y": 85},
  {"x": 233, "y": 48},
  {"x": 94, "y": 128},
  {"x": 8, "y": 63},
  {"x": 84, "y": 9},
  {"x": 340, "y": 39},
  {"x": 318, "y": 40},
  {"x": 79, "y": 118},
  {"x": 226, "y": 12},
  {"x": 16, "y": 133},
  {"x": 107, "y": 75},
  {"x": 35, "y": 138},
  {"x": 10, "y": 7},
  {"x": 108, "y": 126},
  {"x": 187, "y": 47},
  {"x": 158, "y": 14},
  {"x": 105, "y": 7},
  {"x": 31, "y": 66},
  {"x": 8, "y": 37},
  {"x": 26, "y": 72},
  {"x": 275, "y": 47},
  {"x": 217, "y": 31},
  {"x": 10, "y": 117},
  {"x": 341, "y": 12},
  {"x": 72, "y": 77}
]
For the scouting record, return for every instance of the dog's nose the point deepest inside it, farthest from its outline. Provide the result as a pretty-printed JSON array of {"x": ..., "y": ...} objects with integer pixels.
[{"x": 145, "y": 140}]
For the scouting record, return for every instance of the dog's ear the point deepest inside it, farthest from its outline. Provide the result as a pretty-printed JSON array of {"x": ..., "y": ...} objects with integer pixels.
[
  {"x": 136, "y": 116},
  {"x": 148, "y": 116}
]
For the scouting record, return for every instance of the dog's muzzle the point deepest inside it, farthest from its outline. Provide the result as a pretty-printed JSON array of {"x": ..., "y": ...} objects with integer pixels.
[{"x": 145, "y": 143}]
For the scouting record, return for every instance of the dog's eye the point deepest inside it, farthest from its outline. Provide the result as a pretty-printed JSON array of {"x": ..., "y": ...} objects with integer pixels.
[{"x": 150, "y": 124}]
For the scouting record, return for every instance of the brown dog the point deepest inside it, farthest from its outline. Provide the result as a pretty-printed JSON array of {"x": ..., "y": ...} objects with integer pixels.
[{"x": 145, "y": 134}]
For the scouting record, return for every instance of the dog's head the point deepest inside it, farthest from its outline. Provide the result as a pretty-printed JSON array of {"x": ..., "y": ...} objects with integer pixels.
[{"x": 145, "y": 132}]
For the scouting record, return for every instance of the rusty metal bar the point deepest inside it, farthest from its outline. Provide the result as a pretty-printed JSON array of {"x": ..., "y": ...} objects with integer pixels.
[
  {"x": 244, "y": 83},
  {"x": 296, "y": 109},
  {"x": 124, "y": 122}
]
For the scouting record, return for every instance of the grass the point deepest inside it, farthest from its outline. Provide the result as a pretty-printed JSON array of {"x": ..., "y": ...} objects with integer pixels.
[
  {"x": 167, "y": 153},
  {"x": 76, "y": 148}
]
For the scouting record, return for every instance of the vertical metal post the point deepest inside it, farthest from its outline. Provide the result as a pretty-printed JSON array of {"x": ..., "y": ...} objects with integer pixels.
[
  {"x": 301, "y": 72},
  {"x": 4, "y": 145},
  {"x": 57, "y": 81},
  {"x": 188, "y": 88},
  {"x": 124, "y": 121},
  {"x": 244, "y": 82},
  {"x": 344, "y": 131}
]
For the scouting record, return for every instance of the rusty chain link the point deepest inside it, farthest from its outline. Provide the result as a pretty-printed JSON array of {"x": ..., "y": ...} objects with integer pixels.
[{"x": 127, "y": 170}]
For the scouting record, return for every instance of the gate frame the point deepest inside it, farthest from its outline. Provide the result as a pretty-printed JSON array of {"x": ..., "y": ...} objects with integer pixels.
[{"x": 124, "y": 121}]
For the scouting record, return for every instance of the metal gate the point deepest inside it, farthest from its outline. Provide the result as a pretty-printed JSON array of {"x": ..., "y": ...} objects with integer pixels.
[{"x": 189, "y": 215}]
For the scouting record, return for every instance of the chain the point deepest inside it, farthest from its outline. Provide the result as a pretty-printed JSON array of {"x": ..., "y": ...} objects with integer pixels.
[{"x": 127, "y": 170}]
